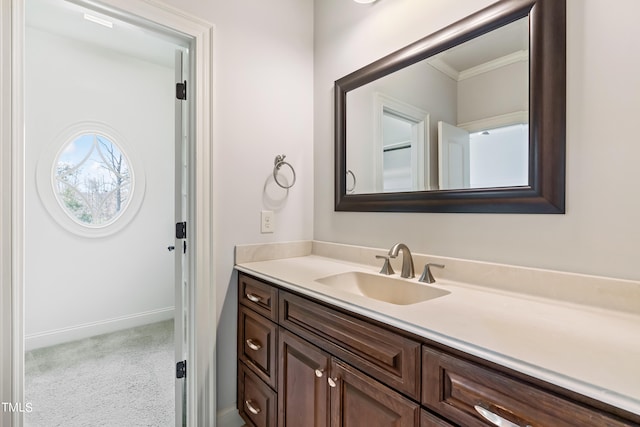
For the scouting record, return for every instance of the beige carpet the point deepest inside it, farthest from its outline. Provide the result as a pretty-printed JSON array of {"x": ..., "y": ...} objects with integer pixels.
[{"x": 122, "y": 379}]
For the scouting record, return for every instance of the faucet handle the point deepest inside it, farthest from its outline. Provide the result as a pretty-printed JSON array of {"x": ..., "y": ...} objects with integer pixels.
[
  {"x": 386, "y": 267},
  {"x": 427, "y": 277}
]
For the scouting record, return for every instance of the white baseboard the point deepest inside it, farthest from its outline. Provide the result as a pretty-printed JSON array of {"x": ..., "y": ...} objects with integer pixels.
[
  {"x": 85, "y": 330},
  {"x": 229, "y": 417}
]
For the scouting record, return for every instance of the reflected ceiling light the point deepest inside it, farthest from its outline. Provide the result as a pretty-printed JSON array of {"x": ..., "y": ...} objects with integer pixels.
[
  {"x": 97, "y": 20},
  {"x": 364, "y": 1}
]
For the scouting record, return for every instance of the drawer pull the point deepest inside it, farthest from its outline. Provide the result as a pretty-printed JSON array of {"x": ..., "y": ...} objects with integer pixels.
[
  {"x": 251, "y": 408},
  {"x": 253, "y": 345},
  {"x": 333, "y": 382},
  {"x": 319, "y": 373},
  {"x": 495, "y": 418},
  {"x": 253, "y": 297}
]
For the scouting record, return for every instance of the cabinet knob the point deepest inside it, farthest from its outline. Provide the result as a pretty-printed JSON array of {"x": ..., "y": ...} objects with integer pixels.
[
  {"x": 254, "y": 410},
  {"x": 253, "y": 297},
  {"x": 253, "y": 345},
  {"x": 333, "y": 382},
  {"x": 319, "y": 373}
]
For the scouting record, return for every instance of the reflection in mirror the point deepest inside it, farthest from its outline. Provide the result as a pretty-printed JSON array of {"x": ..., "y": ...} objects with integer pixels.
[
  {"x": 400, "y": 145},
  {"x": 489, "y": 158},
  {"x": 398, "y": 149},
  {"x": 494, "y": 83},
  {"x": 478, "y": 87}
]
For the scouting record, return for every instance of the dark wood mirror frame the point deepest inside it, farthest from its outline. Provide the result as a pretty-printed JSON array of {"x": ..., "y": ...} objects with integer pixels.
[{"x": 547, "y": 115}]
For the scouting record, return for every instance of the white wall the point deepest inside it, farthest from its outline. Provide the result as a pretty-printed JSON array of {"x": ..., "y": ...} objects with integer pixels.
[
  {"x": 263, "y": 94},
  {"x": 599, "y": 234},
  {"x": 77, "y": 286}
]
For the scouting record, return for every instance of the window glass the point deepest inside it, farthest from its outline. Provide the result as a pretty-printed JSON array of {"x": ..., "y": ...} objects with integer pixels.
[{"x": 92, "y": 180}]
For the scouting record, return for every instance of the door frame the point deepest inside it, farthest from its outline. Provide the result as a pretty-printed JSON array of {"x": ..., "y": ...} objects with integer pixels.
[
  {"x": 420, "y": 146},
  {"x": 201, "y": 363}
]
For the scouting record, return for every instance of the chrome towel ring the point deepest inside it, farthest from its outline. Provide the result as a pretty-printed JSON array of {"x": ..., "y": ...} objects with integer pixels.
[
  {"x": 353, "y": 187},
  {"x": 278, "y": 163}
]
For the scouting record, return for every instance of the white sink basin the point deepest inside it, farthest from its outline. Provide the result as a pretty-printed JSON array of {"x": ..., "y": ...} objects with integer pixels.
[{"x": 382, "y": 288}]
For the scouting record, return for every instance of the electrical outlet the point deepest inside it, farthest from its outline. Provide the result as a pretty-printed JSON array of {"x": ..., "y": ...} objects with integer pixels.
[{"x": 267, "y": 224}]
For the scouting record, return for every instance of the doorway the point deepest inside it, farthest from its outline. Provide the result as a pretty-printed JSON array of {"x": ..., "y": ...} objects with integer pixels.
[
  {"x": 201, "y": 397},
  {"x": 103, "y": 312},
  {"x": 401, "y": 145}
]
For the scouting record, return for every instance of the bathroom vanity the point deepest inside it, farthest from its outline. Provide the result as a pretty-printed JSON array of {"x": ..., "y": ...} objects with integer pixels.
[{"x": 311, "y": 354}]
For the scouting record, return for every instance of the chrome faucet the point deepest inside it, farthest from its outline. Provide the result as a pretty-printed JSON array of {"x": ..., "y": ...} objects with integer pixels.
[{"x": 407, "y": 260}]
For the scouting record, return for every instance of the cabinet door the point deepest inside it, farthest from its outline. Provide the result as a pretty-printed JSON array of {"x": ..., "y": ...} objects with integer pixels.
[
  {"x": 303, "y": 398},
  {"x": 360, "y": 401}
]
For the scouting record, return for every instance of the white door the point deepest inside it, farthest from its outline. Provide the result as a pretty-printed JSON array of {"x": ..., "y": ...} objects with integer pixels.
[
  {"x": 401, "y": 146},
  {"x": 453, "y": 157},
  {"x": 181, "y": 246}
]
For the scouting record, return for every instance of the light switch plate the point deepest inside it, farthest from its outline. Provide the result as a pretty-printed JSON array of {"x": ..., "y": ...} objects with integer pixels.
[{"x": 267, "y": 224}]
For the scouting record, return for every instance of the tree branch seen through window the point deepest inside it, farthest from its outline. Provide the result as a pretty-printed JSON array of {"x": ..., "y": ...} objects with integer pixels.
[{"x": 92, "y": 179}]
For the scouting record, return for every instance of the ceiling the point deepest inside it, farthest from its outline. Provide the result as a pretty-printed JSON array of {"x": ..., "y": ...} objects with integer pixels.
[
  {"x": 488, "y": 47},
  {"x": 67, "y": 19}
]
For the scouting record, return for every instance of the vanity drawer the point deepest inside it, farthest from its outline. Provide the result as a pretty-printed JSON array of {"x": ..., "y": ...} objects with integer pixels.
[
  {"x": 386, "y": 356},
  {"x": 257, "y": 403},
  {"x": 460, "y": 390},
  {"x": 257, "y": 344},
  {"x": 258, "y": 296},
  {"x": 427, "y": 419}
]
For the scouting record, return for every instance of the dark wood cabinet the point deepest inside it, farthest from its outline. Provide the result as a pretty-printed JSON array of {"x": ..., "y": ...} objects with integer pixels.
[
  {"x": 303, "y": 363},
  {"x": 318, "y": 390},
  {"x": 315, "y": 381},
  {"x": 358, "y": 400},
  {"x": 385, "y": 355},
  {"x": 258, "y": 296},
  {"x": 257, "y": 342},
  {"x": 257, "y": 352},
  {"x": 471, "y": 395},
  {"x": 303, "y": 397},
  {"x": 427, "y": 419},
  {"x": 257, "y": 402}
]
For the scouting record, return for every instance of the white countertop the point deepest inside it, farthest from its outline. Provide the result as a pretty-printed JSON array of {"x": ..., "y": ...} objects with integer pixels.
[{"x": 590, "y": 350}]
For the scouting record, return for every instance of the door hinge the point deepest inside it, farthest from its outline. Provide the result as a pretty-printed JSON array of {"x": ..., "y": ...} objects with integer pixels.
[
  {"x": 181, "y": 90},
  {"x": 181, "y": 230},
  {"x": 181, "y": 369}
]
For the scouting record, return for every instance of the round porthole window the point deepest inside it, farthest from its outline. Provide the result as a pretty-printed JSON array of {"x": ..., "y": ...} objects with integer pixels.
[{"x": 90, "y": 181}]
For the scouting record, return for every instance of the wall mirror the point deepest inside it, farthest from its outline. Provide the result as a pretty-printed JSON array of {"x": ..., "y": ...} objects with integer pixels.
[{"x": 468, "y": 119}]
